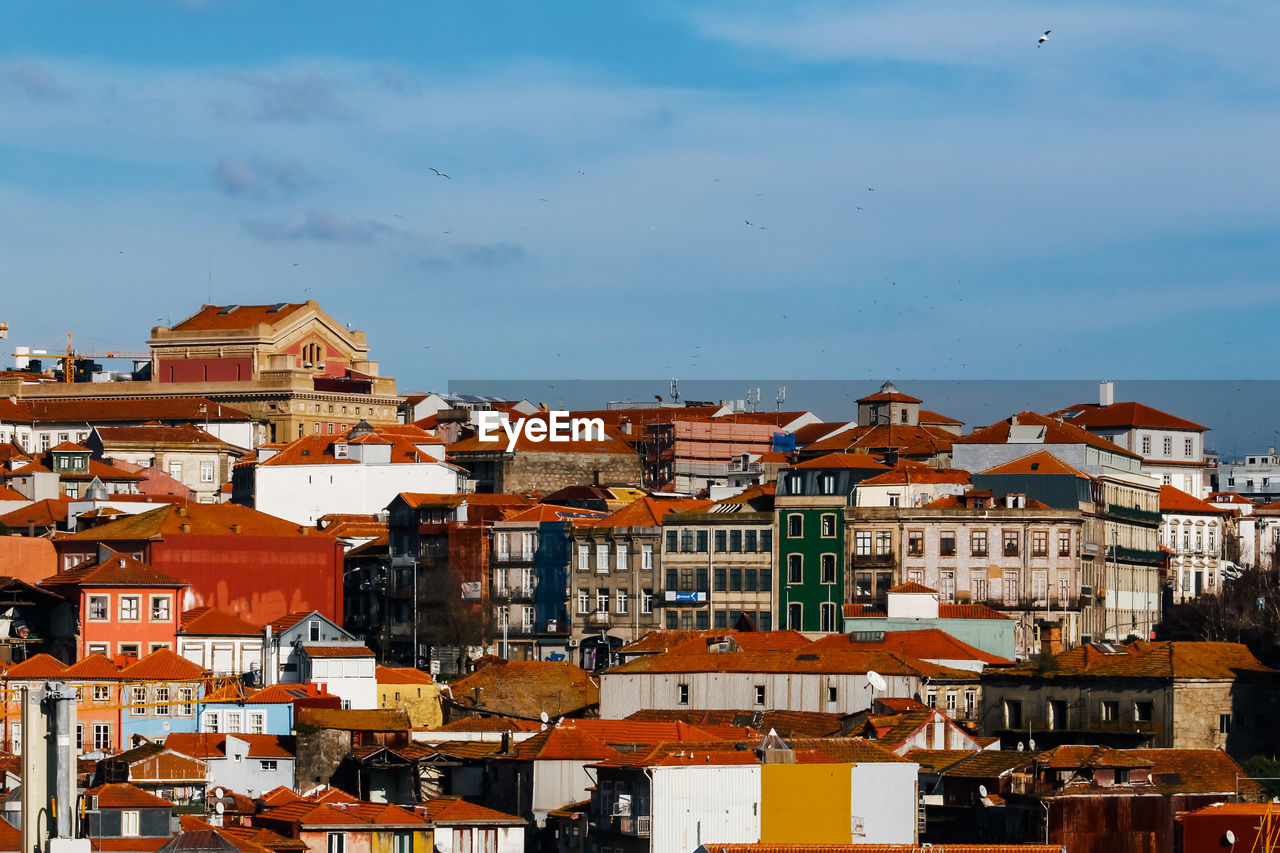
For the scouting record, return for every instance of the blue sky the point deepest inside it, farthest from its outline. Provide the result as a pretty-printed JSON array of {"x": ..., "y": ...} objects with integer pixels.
[{"x": 929, "y": 194}]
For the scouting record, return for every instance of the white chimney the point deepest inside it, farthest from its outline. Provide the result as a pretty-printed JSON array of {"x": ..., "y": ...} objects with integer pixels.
[{"x": 1106, "y": 393}]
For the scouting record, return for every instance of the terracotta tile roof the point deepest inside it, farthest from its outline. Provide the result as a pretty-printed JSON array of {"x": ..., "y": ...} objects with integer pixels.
[
  {"x": 893, "y": 395},
  {"x": 337, "y": 651},
  {"x": 49, "y": 512},
  {"x": 287, "y": 621},
  {"x": 1229, "y": 497},
  {"x": 37, "y": 667},
  {"x": 911, "y": 474},
  {"x": 886, "y": 437},
  {"x": 158, "y": 434},
  {"x": 8, "y": 494},
  {"x": 203, "y": 745},
  {"x": 387, "y": 814},
  {"x": 810, "y": 433},
  {"x": 1143, "y": 659},
  {"x": 1195, "y": 771},
  {"x": 377, "y": 720},
  {"x": 925, "y": 416},
  {"x": 455, "y": 811},
  {"x": 924, "y": 644},
  {"x": 1072, "y": 756},
  {"x": 126, "y": 796},
  {"x": 163, "y": 665},
  {"x": 1177, "y": 501},
  {"x": 970, "y": 611},
  {"x": 785, "y": 723},
  {"x": 771, "y": 847},
  {"x": 1040, "y": 462},
  {"x": 116, "y": 570},
  {"x": 305, "y": 813},
  {"x": 562, "y": 743},
  {"x": 265, "y": 838},
  {"x": 913, "y": 588},
  {"x": 204, "y": 520},
  {"x": 186, "y": 409},
  {"x": 863, "y": 610},
  {"x": 318, "y": 449},
  {"x": 490, "y": 724},
  {"x": 210, "y": 621},
  {"x": 279, "y": 795},
  {"x": 1131, "y": 415},
  {"x": 351, "y": 526},
  {"x": 129, "y": 845},
  {"x": 286, "y": 694},
  {"x": 612, "y": 443},
  {"x": 1055, "y": 432},
  {"x": 844, "y": 460},
  {"x": 648, "y": 512},
  {"x": 421, "y": 499},
  {"x": 402, "y": 675},
  {"x": 986, "y": 764},
  {"x": 92, "y": 668},
  {"x": 528, "y": 688},
  {"x": 550, "y": 512},
  {"x": 819, "y": 660},
  {"x": 663, "y": 640},
  {"x": 236, "y": 317},
  {"x": 751, "y": 641}
]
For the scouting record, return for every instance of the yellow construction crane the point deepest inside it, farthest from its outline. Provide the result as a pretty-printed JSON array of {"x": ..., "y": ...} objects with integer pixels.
[
  {"x": 1268, "y": 838},
  {"x": 68, "y": 358}
]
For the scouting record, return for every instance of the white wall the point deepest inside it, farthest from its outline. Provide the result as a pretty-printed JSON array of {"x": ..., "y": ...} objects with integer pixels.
[
  {"x": 448, "y": 840},
  {"x": 244, "y": 774},
  {"x": 884, "y": 796},
  {"x": 303, "y": 493},
  {"x": 698, "y": 805},
  {"x": 559, "y": 783},
  {"x": 350, "y": 679}
]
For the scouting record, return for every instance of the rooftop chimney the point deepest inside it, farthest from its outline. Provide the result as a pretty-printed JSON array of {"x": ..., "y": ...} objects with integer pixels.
[{"x": 1106, "y": 392}]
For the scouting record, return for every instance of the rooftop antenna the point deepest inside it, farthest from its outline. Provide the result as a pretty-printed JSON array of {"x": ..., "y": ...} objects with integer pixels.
[
  {"x": 782, "y": 396},
  {"x": 675, "y": 390}
]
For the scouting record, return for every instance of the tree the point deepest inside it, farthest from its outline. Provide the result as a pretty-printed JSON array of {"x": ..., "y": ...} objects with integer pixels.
[{"x": 1246, "y": 610}]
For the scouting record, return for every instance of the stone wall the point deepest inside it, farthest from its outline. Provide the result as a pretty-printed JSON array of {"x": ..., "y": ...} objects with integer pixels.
[{"x": 549, "y": 471}]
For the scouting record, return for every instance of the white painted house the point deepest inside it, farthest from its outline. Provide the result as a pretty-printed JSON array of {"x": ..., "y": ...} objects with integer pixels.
[
  {"x": 357, "y": 472},
  {"x": 309, "y": 647}
]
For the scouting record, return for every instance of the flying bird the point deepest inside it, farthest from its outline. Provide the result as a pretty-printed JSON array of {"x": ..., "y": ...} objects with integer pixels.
[
  {"x": 441, "y": 174},
  {"x": 1044, "y": 38}
]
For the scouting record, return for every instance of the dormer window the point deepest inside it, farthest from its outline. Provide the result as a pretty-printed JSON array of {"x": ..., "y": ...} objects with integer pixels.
[{"x": 340, "y": 450}]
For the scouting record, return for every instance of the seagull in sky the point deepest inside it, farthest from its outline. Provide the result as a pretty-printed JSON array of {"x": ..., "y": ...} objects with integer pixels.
[
  {"x": 441, "y": 174},
  {"x": 1044, "y": 38}
]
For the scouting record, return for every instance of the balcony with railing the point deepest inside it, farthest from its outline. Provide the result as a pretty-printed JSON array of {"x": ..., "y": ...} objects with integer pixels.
[
  {"x": 637, "y": 825},
  {"x": 865, "y": 560},
  {"x": 513, "y": 593},
  {"x": 1130, "y": 513}
]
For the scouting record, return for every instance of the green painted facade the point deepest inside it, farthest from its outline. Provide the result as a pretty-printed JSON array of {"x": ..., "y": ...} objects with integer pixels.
[{"x": 812, "y": 552}]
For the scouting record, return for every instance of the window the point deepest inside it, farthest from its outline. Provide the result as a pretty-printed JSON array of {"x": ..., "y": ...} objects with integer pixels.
[
  {"x": 129, "y": 650},
  {"x": 1011, "y": 543},
  {"x": 947, "y": 585},
  {"x": 722, "y": 540},
  {"x": 161, "y": 700},
  {"x": 765, "y": 582},
  {"x": 795, "y": 616},
  {"x": 1224, "y": 724},
  {"x": 336, "y": 842},
  {"x": 947, "y": 543},
  {"x": 1064, "y": 543},
  {"x": 759, "y": 694},
  {"x": 751, "y": 541},
  {"x": 978, "y": 586},
  {"x": 970, "y": 702},
  {"x": 862, "y": 543},
  {"x": 828, "y": 526},
  {"x": 828, "y": 568},
  {"x": 206, "y": 472},
  {"x": 1039, "y": 585},
  {"x": 502, "y": 545},
  {"x": 129, "y": 606},
  {"x": 828, "y": 616},
  {"x": 701, "y": 538},
  {"x": 884, "y": 543},
  {"x": 186, "y": 704},
  {"x": 686, "y": 541},
  {"x": 1143, "y": 711},
  {"x": 620, "y": 556},
  {"x": 267, "y": 766},
  {"x": 101, "y": 737},
  {"x": 702, "y": 622},
  {"x": 1039, "y": 543},
  {"x": 257, "y": 723},
  {"x": 795, "y": 484},
  {"x": 160, "y": 609},
  {"x": 602, "y": 557},
  {"x": 526, "y": 545},
  {"x": 915, "y": 543},
  {"x": 79, "y": 738},
  {"x": 766, "y": 540},
  {"x": 749, "y": 580},
  {"x": 602, "y": 600},
  {"x": 129, "y": 823},
  {"x": 1167, "y": 480},
  {"x": 827, "y": 484},
  {"x": 795, "y": 525},
  {"x": 1110, "y": 711},
  {"x": 1012, "y": 714},
  {"x": 584, "y": 600},
  {"x": 101, "y": 693},
  {"x": 720, "y": 619},
  {"x": 951, "y": 702},
  {"x": 735, "y": 541},
  {"x": 233, "y": 722},
  {"x": 894, "y": 499},
  {"x": 139, "y": 699},
  {"x": 97, "y": 608},
  {"x": 1010, "y": 587},
  {"x": 1057, "y": 714},
  {"x": 621, "y": 598},
  {"x": 978, "y": 543},
  {"x": 646, "y": 557},
  {"x": 682, "y": 694},
  {"x": 795, "y": 568},
  {"x": 721, "y": 580},
  {"x": 646, "y": 601},
  {"x": 584, "y": 558},
  {"x": 313, "y": 629},
  {"x": 735, "y": 580},
  {"x": 673, "y": 620},
  {"x": 175, "y": 470},
  {"x": 1188, "y": 448},
  {"x": 764, "y": 620},
  {"x": 1167, "y": 446},
  {"x": 1146, "y": 445},
  {"x": 833, "y": 693}
]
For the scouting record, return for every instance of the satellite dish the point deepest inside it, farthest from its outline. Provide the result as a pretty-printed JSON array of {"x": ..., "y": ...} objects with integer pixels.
[
  {"x": 1021, "y": 746},
  {"x": 544, "y": 717},
  {"x": 1229, "y": 837},
  {"x": 1031, "y": 744},
  {"x": 219, "y": 807},
  {"x": 217, "y": 792},
  {"x": 876, "y": 679},
  {"x": 982, "y": 791}
]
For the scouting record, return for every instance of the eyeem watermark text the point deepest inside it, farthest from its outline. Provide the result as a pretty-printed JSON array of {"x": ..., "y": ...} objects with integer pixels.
[{"x": 557, "y": 426}]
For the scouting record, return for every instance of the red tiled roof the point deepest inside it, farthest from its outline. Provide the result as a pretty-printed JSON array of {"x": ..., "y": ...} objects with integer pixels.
[
  {"x": 337, "y": 651},
  {"x": 1196, "y": 771},
  {"x": 810, "y": 433},
  {"x": 188, "y": 409},
  {"x": 969, "y": 611},
  {"x": 550, "y": 512},
  {"x": 207, "y": 621},
  {"x": 910, "y": 474},
  {"x": 1143, "y": 659},
  {"x": 612, "y": 443},
  {"x": 885, "y": 437},
  {"x": 455, "y": 811},
  {"x": 1229, "y": 497},
  {"x": 305, "y": 813},
  {"x": 845, "y": 460},
  {"x": 913, "y": 587},
  {"x": 236, "y": 317},
  {"x": 158, "y": 434},
  {"x": 169, "y": 520},
  {"x": 93, "y": 667},
  {"x": 116, "y": 570},
  {"x": 1040, "y": 462},
  {"x": 1131, "y": 415},
  {"x": 1055, "y": 432},
  {"x": 354, "y": 720},
  {"x": 402, "y": 675},
  {"x": 204, "y": 745},
  {"x": 49, "y": 512},
  {"x": 894, "y": 396},
  {"x": 925, "y": 416},
  {"x": 1177, "y": 501},
  {"x": 648, "y": 512},
  {"x": 490, "y": 724},
  {"x": 126, "y": 796},
  {"x": 318, "y": 449},
  {"x": 528, "y": 688},
  {"x": 36, "y": 667},
  {"x": 162, "y": 665},
  {"x": 924, "y": 644}
]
